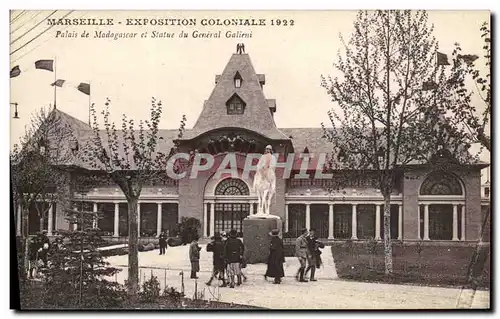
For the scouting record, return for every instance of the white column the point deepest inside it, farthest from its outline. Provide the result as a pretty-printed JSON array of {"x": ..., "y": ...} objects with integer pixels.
[
  {"x": 251, "y": 208},
  {"x": 354, "y": 225},
  {"x": 463, "y": 223},
  {"x": 400, "y": 222},
  {"x": 205, "y": 220},
  {"x": 94, "y": 221},
  {"x": 49, "y": 220},
  {"x": 19, "y": 218},
  {"x": 286, "y": 218},
  {"x": 212, "y": 219},
  {"x": 455, "y": 222},
  {"x": 377, "y": 222},
  {"x": 418, "y": 224},
  {"x": 426, "y": 222},
  {"x": 308, "y": 216},
  {"x": 330, "y": 221},
  {"x": 116, "y": 221},
  {"x": 158, "y": 220}
]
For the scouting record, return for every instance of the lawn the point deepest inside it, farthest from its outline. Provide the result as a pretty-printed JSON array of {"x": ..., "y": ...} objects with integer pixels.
[{"x": 435, "y": 265}]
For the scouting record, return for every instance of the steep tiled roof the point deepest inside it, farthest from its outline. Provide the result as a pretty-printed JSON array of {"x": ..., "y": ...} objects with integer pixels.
[
  {"x": 312, "y": 138},
  {"x": 256, "y": 117},
  {"x": 71, "y": 121}
]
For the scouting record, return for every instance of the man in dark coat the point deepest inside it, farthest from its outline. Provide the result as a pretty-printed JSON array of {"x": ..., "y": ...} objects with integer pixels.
[
  {"x": 216, "y": 246},
  {"x": 233, "y": 255},
  {"x": 302, "y": 254},
  {"x": 314, "y": 257},
  {"x": 194, "y": 257},
  {"x": 276, "y": 258},
  {"x": 163, "y": 243}
]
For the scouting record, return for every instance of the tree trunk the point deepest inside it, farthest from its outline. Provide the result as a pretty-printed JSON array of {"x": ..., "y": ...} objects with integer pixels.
[
  {"x": 25, "y": 233},
  {"x": 387, "y": 234},
  {"x": 133, "y": 257},
  {"x": 41, "y": 224}
]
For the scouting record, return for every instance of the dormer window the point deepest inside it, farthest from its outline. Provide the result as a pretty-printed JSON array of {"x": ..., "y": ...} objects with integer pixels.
[
  {"x": 237, "y": 80},
  {"x": 235, "y": 105}
]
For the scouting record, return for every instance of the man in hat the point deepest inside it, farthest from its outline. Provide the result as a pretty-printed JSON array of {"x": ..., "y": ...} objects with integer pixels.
[
  {"x": 194, "y": 257},
  {"x": 314, "y": 253},
  {"x": 301, "y": 252},
  {"x": 163, "y": 243},
  {"x": 233, "y": 255},
  {"x": 216, "y": 246},
  {"x": 276, "y": 258}
]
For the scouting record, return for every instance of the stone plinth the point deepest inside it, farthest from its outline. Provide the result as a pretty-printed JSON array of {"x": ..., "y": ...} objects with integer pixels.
[{"x": 256, "y": 237}]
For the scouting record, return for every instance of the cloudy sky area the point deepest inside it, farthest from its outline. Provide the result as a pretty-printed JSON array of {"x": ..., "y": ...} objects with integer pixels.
[{"x": 181, "y": 72}]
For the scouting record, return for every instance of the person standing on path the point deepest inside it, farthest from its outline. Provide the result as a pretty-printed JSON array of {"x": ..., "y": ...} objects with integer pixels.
[
  {"x": 276, "y": 258},
  {"x": 216, "y": 246},
  {"x": 301, "y": 252},
  {"x": 233, "y": 255},
  {"x": 314, "y": 254},
  {"x": 194, "y": 257},
  {"x": 163, "y": 243}
]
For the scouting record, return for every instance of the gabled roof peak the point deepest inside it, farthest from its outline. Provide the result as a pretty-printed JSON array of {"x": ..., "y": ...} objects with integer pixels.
[{"x": 257, "y": 116}]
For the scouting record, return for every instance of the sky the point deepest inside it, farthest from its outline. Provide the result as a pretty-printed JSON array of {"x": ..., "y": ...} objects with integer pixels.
[{"x": 181, "y": 72}]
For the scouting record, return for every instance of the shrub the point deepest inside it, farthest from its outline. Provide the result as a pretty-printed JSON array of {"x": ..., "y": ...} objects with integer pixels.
[
  {"x": 174, "y": 241},
  {"x": 150, "y": 291},
  {"x": 371, "y": 249},
  {"x": 172, "y": 294},
  {"x": 188, "y": 229}
]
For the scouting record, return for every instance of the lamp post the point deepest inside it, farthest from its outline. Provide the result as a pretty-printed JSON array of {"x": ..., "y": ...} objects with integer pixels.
[{"x": 16, "y": 114}]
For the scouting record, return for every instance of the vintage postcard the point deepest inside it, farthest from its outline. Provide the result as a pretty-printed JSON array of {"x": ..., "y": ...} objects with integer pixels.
[{"x": 251, "y": 159}]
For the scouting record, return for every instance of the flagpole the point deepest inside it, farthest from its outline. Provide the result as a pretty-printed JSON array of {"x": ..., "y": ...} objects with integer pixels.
[
  {"x": 90, "y": 103},
  {"x": 55, "y": 86}
]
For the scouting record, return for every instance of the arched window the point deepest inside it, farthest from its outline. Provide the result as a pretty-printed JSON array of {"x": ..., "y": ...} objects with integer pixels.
[
  {"x": 440, "y": 183},
  {"x": 232, "y": 186}
]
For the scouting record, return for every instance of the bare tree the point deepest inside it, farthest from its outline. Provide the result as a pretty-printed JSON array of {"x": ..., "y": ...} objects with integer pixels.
[
  {"x": 386, "y": 114},
  {"x": 465, "y": 112},
  {"x": 130, "y": 159},
  {"x": 37, "y": 167}
]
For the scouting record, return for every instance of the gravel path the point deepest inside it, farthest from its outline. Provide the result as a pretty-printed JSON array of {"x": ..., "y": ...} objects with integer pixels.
[{"x": 328, "y": 292}]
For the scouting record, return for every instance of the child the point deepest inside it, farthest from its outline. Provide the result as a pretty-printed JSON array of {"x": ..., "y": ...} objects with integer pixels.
[{"x": 194, "y": 257}]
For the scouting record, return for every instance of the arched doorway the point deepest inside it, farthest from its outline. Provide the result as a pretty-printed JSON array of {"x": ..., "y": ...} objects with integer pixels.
[
  {"x": 442, "y": 207},
  {"x": 231, "y": 209}
]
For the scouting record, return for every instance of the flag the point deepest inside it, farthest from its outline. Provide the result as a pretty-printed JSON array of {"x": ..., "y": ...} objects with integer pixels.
[
  {"x": 45, "y": 65},
  {"x": 429, "y": 85},
  {"x": 84, "y": 88},
  {"x": 442, "y": 59},
  {"x": 15, "y": 71},
  {"x": 58, "y": 83},
  {"x": 468, "y": 58}
]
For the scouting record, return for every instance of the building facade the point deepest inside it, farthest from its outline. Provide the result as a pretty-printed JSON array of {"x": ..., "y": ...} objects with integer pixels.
[{"x": 237, "y": 118}]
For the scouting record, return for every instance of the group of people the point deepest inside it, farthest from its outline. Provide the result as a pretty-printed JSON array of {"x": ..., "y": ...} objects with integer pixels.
[
  {"x": 307, "y": 250},
  {"x": 38, "y": 252},
  {"x": 228, "y": 260}
]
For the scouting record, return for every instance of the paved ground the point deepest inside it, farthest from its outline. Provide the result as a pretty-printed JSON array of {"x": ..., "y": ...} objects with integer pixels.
[{"x": 327, "y": 293}]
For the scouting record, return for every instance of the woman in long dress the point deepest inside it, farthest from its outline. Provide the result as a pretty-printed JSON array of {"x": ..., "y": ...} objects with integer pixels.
[{"x": 276, "y": 258}]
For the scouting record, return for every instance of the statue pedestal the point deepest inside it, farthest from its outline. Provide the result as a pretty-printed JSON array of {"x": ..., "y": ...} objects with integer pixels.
[{"x": 256, "y": 236}]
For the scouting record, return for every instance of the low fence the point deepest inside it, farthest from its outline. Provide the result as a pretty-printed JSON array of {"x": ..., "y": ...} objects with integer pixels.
[{"x": 173, "y": 278}]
